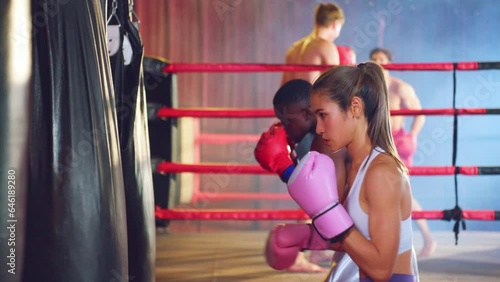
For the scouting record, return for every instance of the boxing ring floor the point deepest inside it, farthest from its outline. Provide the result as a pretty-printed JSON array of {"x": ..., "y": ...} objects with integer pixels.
[{"x": 224, "y": 256}]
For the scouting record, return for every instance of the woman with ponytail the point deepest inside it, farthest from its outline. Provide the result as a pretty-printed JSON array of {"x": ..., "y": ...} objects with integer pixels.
[{"x": 351, "y": 106}]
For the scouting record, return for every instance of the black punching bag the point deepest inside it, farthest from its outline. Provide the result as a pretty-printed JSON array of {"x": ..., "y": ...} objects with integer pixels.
[
  {"x": 126, "y": 55},
  {"x": 15, "y": 78},
  {"x": 76, "y": 224}
]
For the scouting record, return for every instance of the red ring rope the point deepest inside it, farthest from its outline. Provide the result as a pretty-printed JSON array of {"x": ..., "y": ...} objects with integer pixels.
[
  {"x": 267, "y": 113},
  {"x": 166, "y": 167},
  {"x": 233, "y": 67},
  {"x": 232, "y": 168},
  {"x": 223, "y": 138},
  {"x": 216, "y": 138},
  {"x": 198, "y": 214}
]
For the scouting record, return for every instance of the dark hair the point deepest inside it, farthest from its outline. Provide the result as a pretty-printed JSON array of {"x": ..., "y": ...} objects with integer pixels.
[
  {"x": 366, "y": 81},
  {"x": 384, "y": 51},
  {"x": 327, "y": 13},
  {"x": 295, "y": 90}
]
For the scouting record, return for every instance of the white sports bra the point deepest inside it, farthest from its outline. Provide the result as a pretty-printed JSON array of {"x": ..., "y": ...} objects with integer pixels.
[{"x": 360, "y": 218}]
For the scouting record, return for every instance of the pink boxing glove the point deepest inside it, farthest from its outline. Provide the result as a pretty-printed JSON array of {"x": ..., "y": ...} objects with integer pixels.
[
  {"x": 313, "y": 186},
  {"x": 285, "y": 241}
]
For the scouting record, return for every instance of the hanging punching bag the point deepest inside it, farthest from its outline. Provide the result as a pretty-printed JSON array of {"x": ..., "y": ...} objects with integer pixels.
[
  {"x": 126, "y": 55},
  {"x": 15, "y": 76},
  {"x": 76, "y": 224}
]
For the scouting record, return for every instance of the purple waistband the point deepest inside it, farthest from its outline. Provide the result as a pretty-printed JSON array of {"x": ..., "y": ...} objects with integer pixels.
[{"x": 394, "y": 278}]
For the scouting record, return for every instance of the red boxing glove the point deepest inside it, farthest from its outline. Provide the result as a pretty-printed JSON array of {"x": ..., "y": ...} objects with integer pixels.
[
  {"x": 272, "y": 152},
  {"x": 346, "y": 55}
]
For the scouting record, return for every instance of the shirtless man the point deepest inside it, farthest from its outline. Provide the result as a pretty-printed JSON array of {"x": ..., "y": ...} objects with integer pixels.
[
  {"x": 317, "y": 48},
  {"x": 402, "y": 96}
]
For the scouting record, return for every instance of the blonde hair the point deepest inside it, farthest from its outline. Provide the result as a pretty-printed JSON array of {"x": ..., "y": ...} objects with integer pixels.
[
  {"x": 366, "y": 81},
  {"x": 327, "y": 13}
]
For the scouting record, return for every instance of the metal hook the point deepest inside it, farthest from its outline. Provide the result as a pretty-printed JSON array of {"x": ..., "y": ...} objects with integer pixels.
[
  {"x": 114, "y": 8},
  {"x": 134, "y": 15}
]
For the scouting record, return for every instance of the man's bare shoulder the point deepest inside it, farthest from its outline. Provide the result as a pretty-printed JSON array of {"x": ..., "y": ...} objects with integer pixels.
[
  {"x": 320, "y": 51},
  {"x": 293, "y": 52},
  {"x": 297, "y": 44},
  {"x": 397, "y": 85},
  {"x": 321, "y": 43},
  {"x": 396, "y": 81}
]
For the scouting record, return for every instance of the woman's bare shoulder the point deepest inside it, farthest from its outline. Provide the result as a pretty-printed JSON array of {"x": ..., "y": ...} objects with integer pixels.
[{"x": 384, "y": 170}]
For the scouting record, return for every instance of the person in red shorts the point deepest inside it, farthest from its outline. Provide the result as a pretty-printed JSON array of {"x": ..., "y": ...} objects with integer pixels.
[{"x": 402, "y": 96}]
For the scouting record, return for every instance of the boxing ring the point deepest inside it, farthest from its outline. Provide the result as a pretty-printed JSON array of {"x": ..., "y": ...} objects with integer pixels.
[{"x": 176, "y": 167}]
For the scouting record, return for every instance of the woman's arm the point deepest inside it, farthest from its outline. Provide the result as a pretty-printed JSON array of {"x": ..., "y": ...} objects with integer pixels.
[{"x": 380, "y": 198}]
